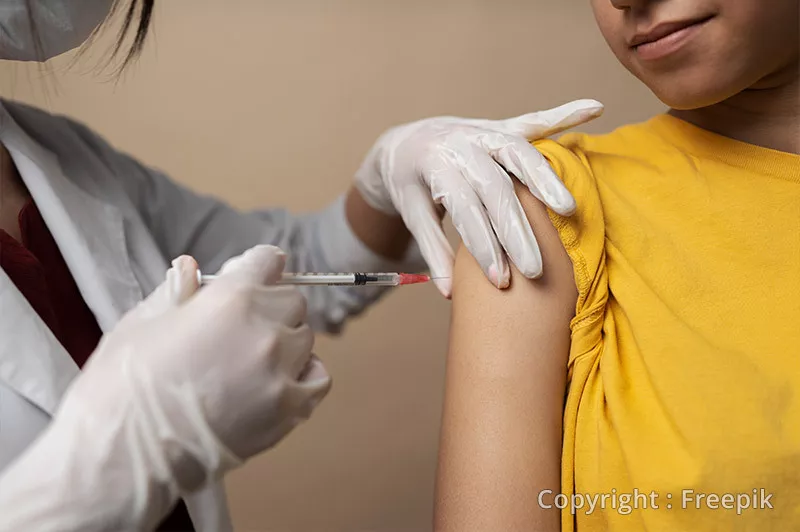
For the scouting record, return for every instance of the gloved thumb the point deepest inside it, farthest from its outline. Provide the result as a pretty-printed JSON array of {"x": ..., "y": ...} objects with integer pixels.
[
  {"x": 542, "y": 124},
  {"x": 258, "y": 265}
]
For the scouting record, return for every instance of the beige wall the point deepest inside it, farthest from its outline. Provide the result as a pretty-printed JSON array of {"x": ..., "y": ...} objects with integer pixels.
[{"x": 275, "y": 103}]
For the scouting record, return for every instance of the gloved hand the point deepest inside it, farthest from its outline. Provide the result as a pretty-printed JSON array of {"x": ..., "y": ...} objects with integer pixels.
[
  {"x": 181, "y": 391},
  {"x": 465, "y": 165},
  {"x": 250, "y": 376}
]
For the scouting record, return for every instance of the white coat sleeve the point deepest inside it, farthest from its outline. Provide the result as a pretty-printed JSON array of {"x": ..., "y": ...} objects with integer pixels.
[
  {"x": 184, "y": 222},
  {"x": 80, "y": 475}
]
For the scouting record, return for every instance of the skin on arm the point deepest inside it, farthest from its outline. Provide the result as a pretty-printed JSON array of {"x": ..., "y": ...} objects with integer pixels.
[
  {"x": 505, "y": 386},
  {"x": 384, "y": 234}
]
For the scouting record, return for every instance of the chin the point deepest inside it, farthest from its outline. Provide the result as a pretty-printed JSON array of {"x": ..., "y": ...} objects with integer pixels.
[
  {"x": 687, "y": 102},
  {"x": 686, "y": 93}
]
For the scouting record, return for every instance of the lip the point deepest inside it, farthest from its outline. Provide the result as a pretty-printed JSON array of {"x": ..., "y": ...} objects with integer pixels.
[{"x": 665, "y": 38}]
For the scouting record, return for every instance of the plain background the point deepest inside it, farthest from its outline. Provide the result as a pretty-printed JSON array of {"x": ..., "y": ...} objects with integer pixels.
[{"x": 275, "y": 103}]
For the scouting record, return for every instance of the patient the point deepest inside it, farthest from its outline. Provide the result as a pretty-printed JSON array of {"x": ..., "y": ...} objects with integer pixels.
[{"x": 653, "y": 374}]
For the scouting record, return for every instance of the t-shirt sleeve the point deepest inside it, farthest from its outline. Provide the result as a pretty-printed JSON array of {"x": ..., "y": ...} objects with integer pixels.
[{"x": 583, "y": 236}]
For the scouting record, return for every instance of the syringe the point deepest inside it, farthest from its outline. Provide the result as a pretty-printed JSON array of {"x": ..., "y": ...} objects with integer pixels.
[{"x": 342, "y": 279}]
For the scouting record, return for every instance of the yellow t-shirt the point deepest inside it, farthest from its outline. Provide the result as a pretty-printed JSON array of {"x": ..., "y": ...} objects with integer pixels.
[{"x": 684, "y": 370}]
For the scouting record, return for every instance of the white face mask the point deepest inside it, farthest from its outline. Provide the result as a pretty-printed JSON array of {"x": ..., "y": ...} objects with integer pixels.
[{"x": 61, "y": 25}]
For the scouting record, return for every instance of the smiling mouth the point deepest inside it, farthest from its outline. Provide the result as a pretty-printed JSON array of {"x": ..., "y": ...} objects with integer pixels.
[
  {"x": 665, "y": 30},
  {"x": 666, "y": 39}
]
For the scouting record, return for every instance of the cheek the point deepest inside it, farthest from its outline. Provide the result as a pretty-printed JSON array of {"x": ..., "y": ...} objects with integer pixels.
[
  {"x": 731, "y": 59},
  {"x": 705, "y": 74},
  {"x": 610, "y": 21},
  {"x": 737, "y": 50}
]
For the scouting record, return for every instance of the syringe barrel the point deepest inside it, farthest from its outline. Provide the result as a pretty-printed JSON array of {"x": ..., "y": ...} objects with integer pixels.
[
  {"x": 329, "y": 279},
  {"x": 341, "y": 279}
]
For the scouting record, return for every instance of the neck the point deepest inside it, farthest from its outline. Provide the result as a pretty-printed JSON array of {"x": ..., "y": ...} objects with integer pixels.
[
  {"x": 13, "y": 195},
  {"x": 11, "y": 186},
  {"x": 768, "y": 116},
  {"x": 6, "y": 169},
  {"x": 5, "y": 158}
]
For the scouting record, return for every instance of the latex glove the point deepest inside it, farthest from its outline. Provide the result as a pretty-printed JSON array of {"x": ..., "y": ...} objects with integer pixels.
[
  {"x": 269, "y": 381},
  {"x": 181, "y": 391},
  {"x": 466, "y": 165}
]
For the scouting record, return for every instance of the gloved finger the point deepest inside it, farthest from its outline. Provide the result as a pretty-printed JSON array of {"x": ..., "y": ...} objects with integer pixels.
[
  {"x": 452, "y": 188},
  {"x": 259, "y": 265},
  {"x": 542, "y": 124},
  {"x": 314, "y": 371},
  {"x": 525, "y": 162},
  {"x": 316, "y": 381},
  {"x": 180, "y": 284},
  {"x": 304, "y": 395},
  {"x": 424, "y": 223},
  {"x": 281, "y": 304},
  {"x": 292, "y": 349},
  {"x": 496, "y": 191}
]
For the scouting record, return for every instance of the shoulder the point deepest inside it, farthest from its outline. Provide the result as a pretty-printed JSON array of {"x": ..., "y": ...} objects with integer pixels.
[
  {"x": 581, "y": 159},
  {"x": 554, "y": 292},
  {"x": 591, "y": 165},
  {"x": 33, "y": 119},
  {"x": 60, "y": 134},
  {"x": 573, "y": 247},
  {"x": 85, "y": 157}
]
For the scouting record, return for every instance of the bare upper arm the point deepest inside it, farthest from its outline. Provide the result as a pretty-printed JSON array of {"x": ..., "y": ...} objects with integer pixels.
[{"x": 505, "y": 386}]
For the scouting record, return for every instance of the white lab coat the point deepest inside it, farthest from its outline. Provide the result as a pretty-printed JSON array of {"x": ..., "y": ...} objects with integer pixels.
[{"x": 118, "y": 224}]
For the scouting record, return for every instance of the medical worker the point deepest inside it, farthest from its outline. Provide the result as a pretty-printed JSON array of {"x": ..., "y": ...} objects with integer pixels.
[{"x": 86, "y": 232}]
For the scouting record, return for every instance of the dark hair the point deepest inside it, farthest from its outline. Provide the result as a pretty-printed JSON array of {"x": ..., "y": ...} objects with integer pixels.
[{"x": 139, "y": 15}]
